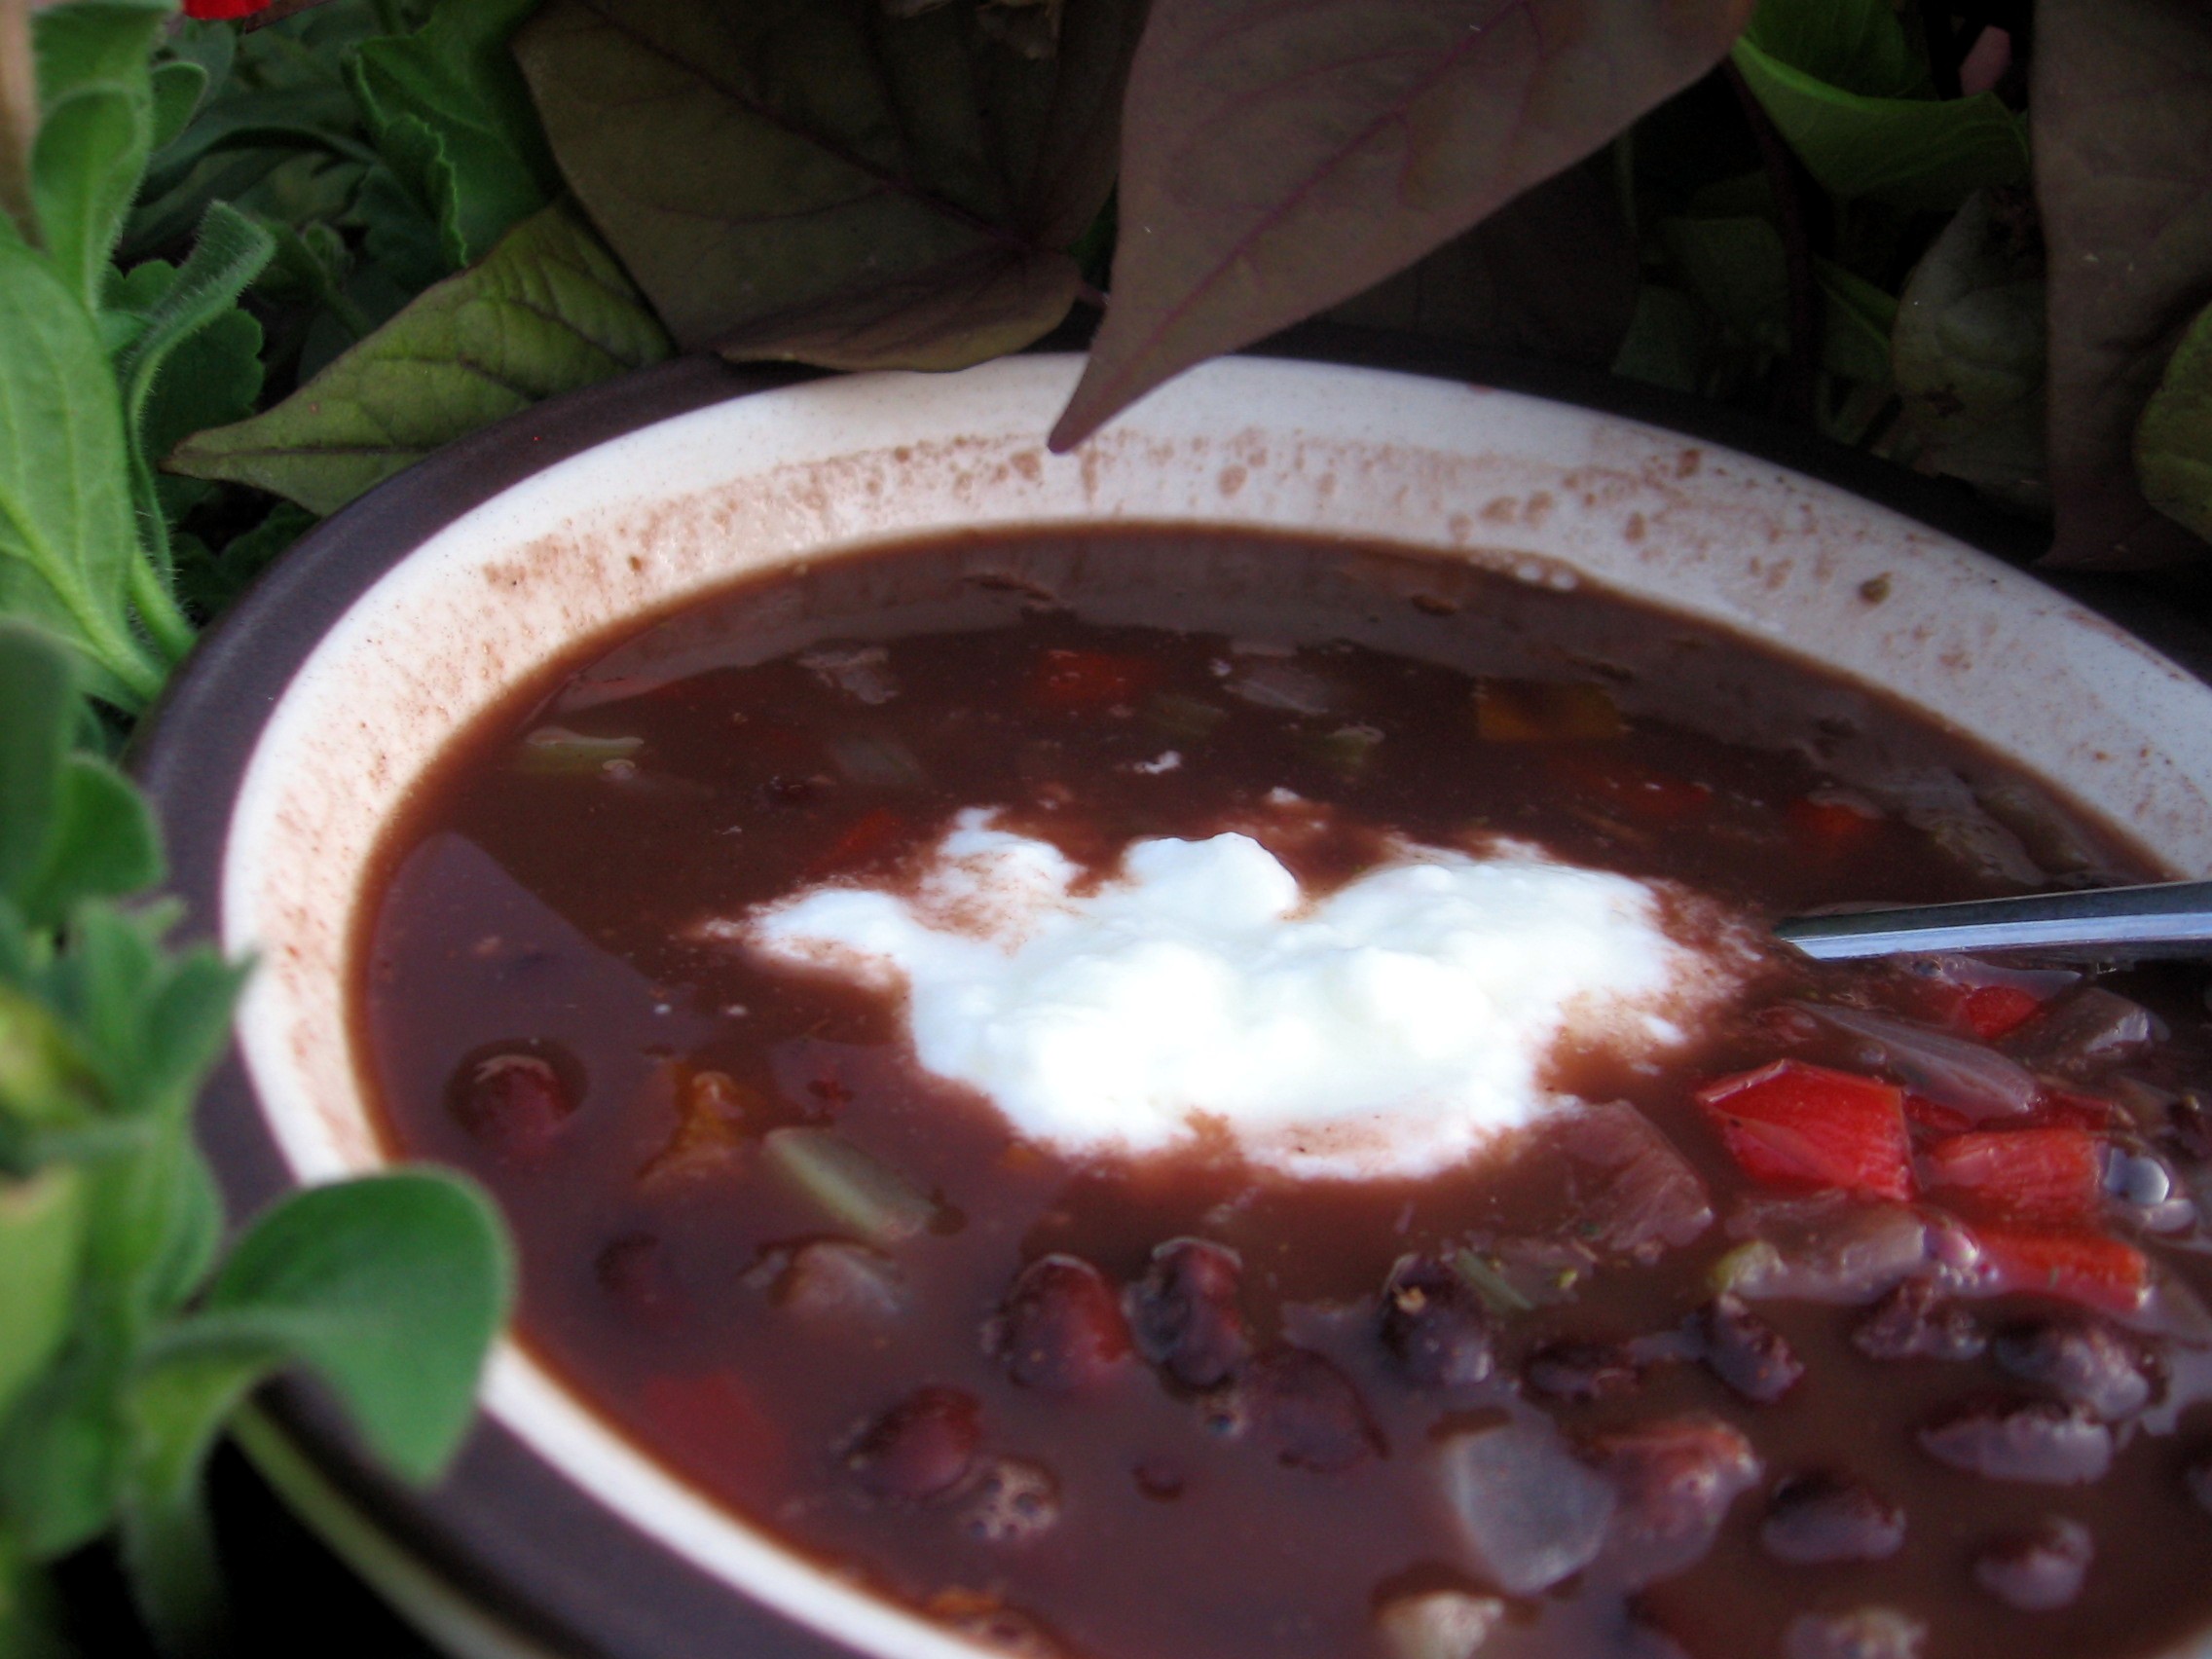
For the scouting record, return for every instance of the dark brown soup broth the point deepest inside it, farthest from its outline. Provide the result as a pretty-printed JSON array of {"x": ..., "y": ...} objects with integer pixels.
[{"x": 539, "y": 1005}]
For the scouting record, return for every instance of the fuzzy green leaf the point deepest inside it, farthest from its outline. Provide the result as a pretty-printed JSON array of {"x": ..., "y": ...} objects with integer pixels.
[
  {"x": 1917, "y": 154},
  {"x": 548, "y": 311},
  {"x": 2121, "y": 95},
  {"x": 42, "y": 1238},
  {"x": 194, "y": 361},
  {"x": 389, "y": 1288},
  {"x": 104, "y": 844},
  {"x": 39, "y": 693},
  {"x": 1280, "y": 158},
  {"x": 67, "y": 538},
  {"x": 449, "y": 111},
  {"x": 178, "y": 86},
  {"x": 96, "y": 98},
  {"x": 827, "y": 181},
  {"x": 2173, "y": 443}
]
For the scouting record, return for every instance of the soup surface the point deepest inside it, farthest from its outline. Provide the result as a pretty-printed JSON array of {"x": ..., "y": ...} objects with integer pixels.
[{"x": 1802, "y": 1311}]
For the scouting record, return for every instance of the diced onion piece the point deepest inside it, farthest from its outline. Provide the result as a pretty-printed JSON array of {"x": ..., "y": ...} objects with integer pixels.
[
  {"x": 1532, "y": 1513},
  {"x": 848, "y": 1185},
  {"x": 1801, "y": 1125},
  {"x": 556, "y": 750},
  {"x": 1440, "y": 1624},
  {"x": 1635, "y": 1194},
  {"x": 876, "y": 760},
  {"x": 2089, "y": 1028},
  {"x": 1271, "y": 683},
  {"x": 1831, "y": 1251},
  {"x": 1543, "y": 711},
  {"x": 1952, "y": 1071}
]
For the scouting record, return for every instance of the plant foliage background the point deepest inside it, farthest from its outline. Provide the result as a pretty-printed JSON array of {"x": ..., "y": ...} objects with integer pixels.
[{"x": 249, "y": 270}]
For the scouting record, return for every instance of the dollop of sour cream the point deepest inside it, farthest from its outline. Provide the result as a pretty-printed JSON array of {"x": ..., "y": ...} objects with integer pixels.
[{"x": 1389, "y": 1028}]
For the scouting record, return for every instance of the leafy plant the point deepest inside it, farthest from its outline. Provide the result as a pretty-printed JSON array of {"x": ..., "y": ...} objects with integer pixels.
[
  {"x": 123, "y": 1347},
  {"x": 1973, "y": 236}
]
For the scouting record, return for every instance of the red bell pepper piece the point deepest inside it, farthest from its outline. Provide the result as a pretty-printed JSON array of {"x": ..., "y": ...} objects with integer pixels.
[
  {"x": 1078, "y": 680},
  {"x": 868, "y": 835},
  {"x": 1801, "y": 1125},
  {"x": 1829, "y": 828},
  {"x": 1990, "y": 1011},
  {"x": 2046, "y": 1175},
  {"x": 2085, "y": 1267}
]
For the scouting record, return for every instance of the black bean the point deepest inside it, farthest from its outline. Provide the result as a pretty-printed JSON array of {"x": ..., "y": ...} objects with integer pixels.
[
  {"x": 2045, "y": 1441},
  {"x": 1674, "y": 1481},
  {"x": 1912, "y": 1322},
  {"x": 633, "y": 1273},
  {"x": 515, "y": 1103},
  {"x": 2037, "y": 1570},
  {"x": 1307, "y": 1411},
  {"x": 1433, "y": 1327},
  {"x": 1014, "y": 1502},
  {"x": 922, "y": 1448},
  {"x": 2078, "y": 1358},
  {"x": 1182, "y": 1313},
  {"x": 1821, "y": 1516},
  {"x": 2198, "y": 1477},
  {"x": 1745, "y": 1353},
  {"x": 1060, "y": 1330},
  {"x": 1570, "y": 1370}
]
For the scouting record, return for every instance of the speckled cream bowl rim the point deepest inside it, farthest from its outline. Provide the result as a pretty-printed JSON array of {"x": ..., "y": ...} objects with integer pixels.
[{"x": 1551, "y": 493}]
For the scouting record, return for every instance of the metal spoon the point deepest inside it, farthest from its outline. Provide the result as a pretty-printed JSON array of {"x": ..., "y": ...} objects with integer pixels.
[{"x": 2170, "y": 918}]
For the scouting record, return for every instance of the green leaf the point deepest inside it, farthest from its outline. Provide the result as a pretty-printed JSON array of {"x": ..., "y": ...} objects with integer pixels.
[
  {"x": 194, "y": 361},
  {"x": 1736, "y": 265},
  {"x": 1665, "y": 344},
  {"x": 179, "y": 87},
  {"x": 449, "y": 111},
  {"x": 105, "y": 844},
  {"x": 2173, "y": 442},
  {"x": 826, "y": 180},
  {"x": 43, "y": 1082},
  {"x": 1264, "y": 180},
  {"x": 1857, "y": 319},
  {"x": 1968, "y": 353},
  {"x": 61, "y": 1452},
  {"x": 95, "y": 92},
  {"x": 42, "y": 1238},
  {"x": 85, "y": 168},
  {"x": 210, "y": 581},
  {"x": 1918, "y": 154},
  {"x": 1856, "y": 46},
  {"x": 390, "y": 1288},
  {"x": 67, "y": 539},
  {"x": 548, "y": 311},
  {"x": 2124, "y": 176},
  {"x": 39, "y": 693},
  {"x": 31, "y": 1615}
]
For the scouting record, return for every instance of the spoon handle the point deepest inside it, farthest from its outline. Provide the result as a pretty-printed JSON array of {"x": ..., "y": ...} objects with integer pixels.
[{"x": 2170, "y": 918}]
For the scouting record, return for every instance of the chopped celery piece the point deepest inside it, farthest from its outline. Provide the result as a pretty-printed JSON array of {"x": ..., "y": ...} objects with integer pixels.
[
  {"x": 555, "y": 750},
  {"x": 1347, "y": 750},
  {"x": 1486, "y": 1282},
  {"x": 1183, "y": 717},
  {"x": 849, "y": 1186}
]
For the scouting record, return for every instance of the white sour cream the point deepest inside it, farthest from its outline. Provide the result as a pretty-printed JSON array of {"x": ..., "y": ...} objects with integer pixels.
[{"x": 1391, "y": 1028}]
